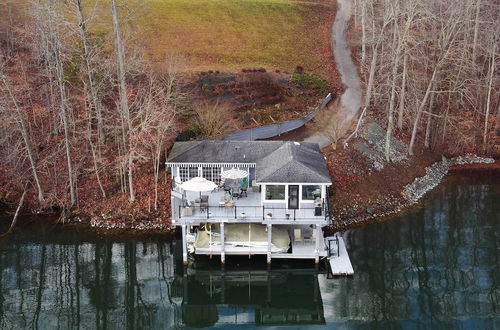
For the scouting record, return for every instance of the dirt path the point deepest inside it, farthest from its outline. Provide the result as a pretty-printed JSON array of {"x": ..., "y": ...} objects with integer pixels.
[{"x": 350, "y": 101}]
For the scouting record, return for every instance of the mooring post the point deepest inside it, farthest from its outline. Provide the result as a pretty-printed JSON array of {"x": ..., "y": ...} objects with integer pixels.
[
  {"x": 269, "y": 242},
  {"x": 184, "y": 246},
  {"x": 222, "y": 247},
  {"x": 318, "y": 234}
]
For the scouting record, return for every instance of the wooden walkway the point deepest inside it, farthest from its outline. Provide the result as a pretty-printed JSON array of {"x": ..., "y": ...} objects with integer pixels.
[{"x": 339, "y": 261}]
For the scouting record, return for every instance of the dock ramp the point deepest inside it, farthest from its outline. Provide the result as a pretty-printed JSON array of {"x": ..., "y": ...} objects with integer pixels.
[{"x": 338, "y": 258}]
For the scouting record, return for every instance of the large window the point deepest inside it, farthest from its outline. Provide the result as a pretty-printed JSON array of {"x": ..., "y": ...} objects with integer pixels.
[
  {"x": 193, "y": 172},
  {"x": 186, "y": 173},
  {"x": 275, "y": 192},
  {"x": 183, "y": 174},
  {"x": 211, "y": 174},
  {"x": 309, "y": 193}
]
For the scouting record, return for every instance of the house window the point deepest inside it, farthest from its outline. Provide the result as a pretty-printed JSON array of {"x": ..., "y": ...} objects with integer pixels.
[
  {"x": 207, "y": 173},
  {"x": 187, "y": 173},
  {"x": 275, "y": 192},
  {"x": 309, "y": 193},
  {"x": 216, "y": 174},
  {"x": 211, "y": 174},
  {"x": 193, "y": 172},
  {"x": 183, "y": 174}
]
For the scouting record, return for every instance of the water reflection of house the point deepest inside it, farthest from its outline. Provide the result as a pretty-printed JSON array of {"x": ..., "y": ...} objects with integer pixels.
[
  {"x": 277, "y": 209},
  {"x": 260, "y": 297}
]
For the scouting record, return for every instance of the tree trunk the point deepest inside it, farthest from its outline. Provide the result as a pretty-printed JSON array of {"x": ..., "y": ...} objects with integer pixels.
[
  {"x": 131, "y": 178},
  {"x": 488, "y": 99},
  {"x": 476, "y": 29},
  {"x": 92, "y": 89},
  {"x": 390, "y": 116},
  {"x": 65, "y": 121},
  {"x": 96, "y": 168},
  {"x": 369, "y": 88},
  {"x": 402, "y": 95},
  {"x": 26, "y": 138},
  {"x": 419, "y": 112},
  {"x": 19, "y": 206},
  {"x": 124, "y": 107},
  {"x": 363, "y": 33},
  {"x": 429, "y": 120}
]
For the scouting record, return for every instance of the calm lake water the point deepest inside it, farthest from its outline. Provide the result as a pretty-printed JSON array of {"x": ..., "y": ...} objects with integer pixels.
[{"x": 437, "y": 267}]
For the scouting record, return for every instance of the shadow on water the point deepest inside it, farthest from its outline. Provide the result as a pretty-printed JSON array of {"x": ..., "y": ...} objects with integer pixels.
[{"x": 437, "y": 267}]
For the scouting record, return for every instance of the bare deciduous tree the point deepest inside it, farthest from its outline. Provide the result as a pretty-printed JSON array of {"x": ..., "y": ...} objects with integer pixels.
[
  {"x": 124, "y": 106},
  {"x": 213, "y": 119},
  {"x": 23, "y": 127}
]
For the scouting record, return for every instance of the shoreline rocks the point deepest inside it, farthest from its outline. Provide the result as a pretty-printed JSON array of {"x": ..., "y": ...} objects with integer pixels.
[
  {"x": 149, "y": 225},
  {"x": 435, "y": 174},
  {"x": 108, "y": 225},
  {"x": 411, "y": 194}
]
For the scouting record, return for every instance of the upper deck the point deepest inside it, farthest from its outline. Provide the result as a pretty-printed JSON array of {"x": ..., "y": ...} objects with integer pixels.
[{"x": 245, "y": 209}]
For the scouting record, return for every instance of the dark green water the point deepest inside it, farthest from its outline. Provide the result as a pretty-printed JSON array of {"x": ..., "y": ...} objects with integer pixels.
[{"x": 437, "y": 267}]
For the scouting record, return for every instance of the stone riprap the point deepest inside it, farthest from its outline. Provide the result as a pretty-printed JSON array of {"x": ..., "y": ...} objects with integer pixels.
[{"x": 435, "y": 174}]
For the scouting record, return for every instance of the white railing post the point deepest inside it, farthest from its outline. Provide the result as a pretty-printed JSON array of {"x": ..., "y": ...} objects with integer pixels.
[
  {"x": 318, "y": 234},
  {"x": 184, "y": 246},
  {"x": 222, "y": 247},
  {"x": 269, "y": 242}
]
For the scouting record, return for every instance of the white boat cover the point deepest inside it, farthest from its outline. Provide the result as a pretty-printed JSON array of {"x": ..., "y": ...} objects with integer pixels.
[{"x": 243, "y": 235}]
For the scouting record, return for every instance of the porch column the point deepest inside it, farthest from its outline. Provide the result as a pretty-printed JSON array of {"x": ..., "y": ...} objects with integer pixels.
[
  {"x": 318, "y": 237},
  {"x": 222, "y": 247},
  {"x": 184, "y": 246},
  {"x": 269, "y": 240},
  {"x": 173, "y": 208}
]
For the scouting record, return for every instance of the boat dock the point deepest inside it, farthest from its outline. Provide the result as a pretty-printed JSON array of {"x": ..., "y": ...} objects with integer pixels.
[{"x": 338, "y": 258}]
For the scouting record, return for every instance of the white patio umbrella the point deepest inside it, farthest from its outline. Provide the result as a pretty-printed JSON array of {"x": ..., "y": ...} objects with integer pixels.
[
  {"x": 198, "y": 184},
  {"x": 234, "y": 173}
]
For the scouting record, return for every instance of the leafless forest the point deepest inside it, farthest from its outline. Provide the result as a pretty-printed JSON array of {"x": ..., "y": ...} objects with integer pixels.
[
  {"x": 80, "y": 112},
  {"x": 430, "y": 69}
]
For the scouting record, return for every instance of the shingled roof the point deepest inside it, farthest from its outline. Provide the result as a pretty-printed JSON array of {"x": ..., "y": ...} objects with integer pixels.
[
  {"x": 276, "y": 161},
  {"x": 293, "y": 162}
]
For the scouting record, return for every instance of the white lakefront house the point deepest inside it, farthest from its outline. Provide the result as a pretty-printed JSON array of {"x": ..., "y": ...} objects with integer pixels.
[{"x": 277, "y": 207}]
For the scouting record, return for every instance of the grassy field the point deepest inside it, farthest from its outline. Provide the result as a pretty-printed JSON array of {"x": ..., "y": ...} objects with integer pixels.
[{"x": 229, "y": 34}]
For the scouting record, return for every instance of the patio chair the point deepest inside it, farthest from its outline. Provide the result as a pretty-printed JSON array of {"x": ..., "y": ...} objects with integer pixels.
[
  {"x": 243, "y": 191},
  {"x": 220, "y": 185},
  {"x": 204, "y": 202},
  {"x": 308, "y": 236}
]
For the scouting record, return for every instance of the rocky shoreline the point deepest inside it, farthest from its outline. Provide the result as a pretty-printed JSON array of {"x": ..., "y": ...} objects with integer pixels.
[
  {"x": 411, "y": 194},
  {"x": 103, "y": 225},
  {"x": 435, "y": 174}
]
